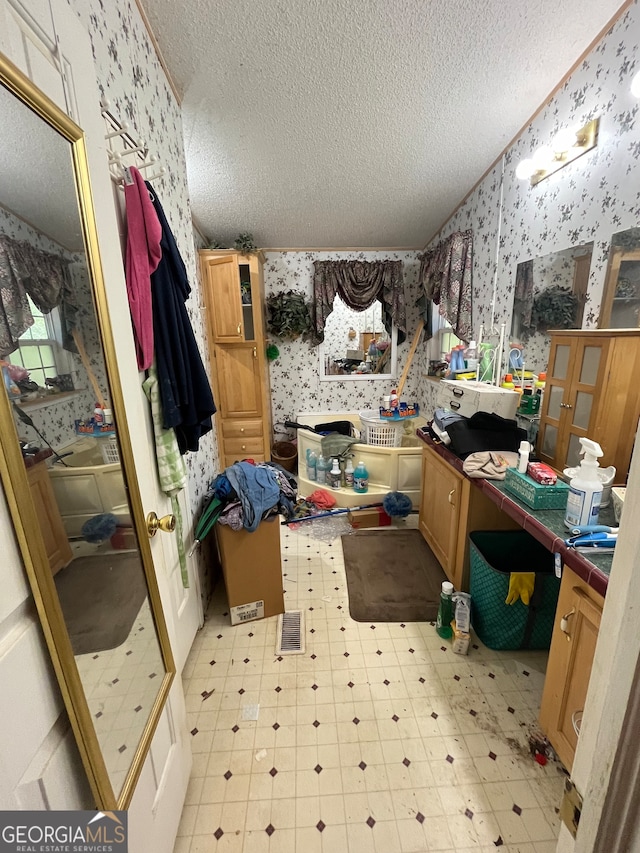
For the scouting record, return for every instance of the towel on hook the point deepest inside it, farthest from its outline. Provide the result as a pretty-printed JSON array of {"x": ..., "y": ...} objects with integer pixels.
[{"x": 144, "y": 233}]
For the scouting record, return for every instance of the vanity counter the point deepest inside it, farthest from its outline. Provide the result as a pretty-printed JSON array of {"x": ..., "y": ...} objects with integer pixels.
[{"x": 547, "y": 526}]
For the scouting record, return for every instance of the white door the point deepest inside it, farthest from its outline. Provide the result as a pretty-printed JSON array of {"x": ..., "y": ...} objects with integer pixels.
[{"x": 48, "y": 43}]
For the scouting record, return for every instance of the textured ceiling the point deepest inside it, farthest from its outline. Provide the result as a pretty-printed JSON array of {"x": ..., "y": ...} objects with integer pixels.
[{"x": 335, "y": 123}]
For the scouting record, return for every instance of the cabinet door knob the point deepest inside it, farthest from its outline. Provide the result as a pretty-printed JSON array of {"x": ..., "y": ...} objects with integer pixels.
[
  {"x": 239, "y": 328},
  {"x": 255, "y": 352},
  {"x": 564, "y": 623},
  {"x": 244, "y": 446},
  {"x": 451, "y": 494},
  {"x": 241, "y": 429}
]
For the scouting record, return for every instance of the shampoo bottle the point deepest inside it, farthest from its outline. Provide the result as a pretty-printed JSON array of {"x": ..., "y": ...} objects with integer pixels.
[
  {"x": 585, "y": 489},
  {"x": 445, "y": 611}
]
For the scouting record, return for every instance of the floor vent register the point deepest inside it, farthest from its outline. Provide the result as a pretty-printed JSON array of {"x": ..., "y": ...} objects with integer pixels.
[{"x": 290, "y": 635}]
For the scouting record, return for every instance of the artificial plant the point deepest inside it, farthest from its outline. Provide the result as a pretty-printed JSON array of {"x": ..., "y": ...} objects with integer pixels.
[
  {"x": 288, "y": 315},
  {"x": 244, "y": 244},
  {"x": 554, "y": 308}
]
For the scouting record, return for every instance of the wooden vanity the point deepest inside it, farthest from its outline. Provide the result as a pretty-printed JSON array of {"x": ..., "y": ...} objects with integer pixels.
[
  {"x": 55, "y": 539},
  {"x": 452, "y": 505}
]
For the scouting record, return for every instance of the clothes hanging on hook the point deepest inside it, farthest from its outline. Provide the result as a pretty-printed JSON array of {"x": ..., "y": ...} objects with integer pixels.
[
  {"x": 187, "y": 401},
  {"x": 143, "y": 254}
]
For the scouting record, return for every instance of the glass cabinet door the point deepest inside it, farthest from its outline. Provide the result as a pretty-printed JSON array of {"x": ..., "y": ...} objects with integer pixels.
[
  {"x": 588, "y": 378},
  {"x": 554, "y": 410}
]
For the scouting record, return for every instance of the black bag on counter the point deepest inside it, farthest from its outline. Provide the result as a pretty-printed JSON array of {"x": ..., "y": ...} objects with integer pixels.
[{"x": 485, "y": 431}]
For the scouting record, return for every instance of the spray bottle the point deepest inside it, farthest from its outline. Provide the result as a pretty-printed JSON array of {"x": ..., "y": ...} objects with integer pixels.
[{"x": 585, "y": 489}]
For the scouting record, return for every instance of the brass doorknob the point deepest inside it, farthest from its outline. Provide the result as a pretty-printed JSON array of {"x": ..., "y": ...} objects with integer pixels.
[{"x": 167, "y": 524}]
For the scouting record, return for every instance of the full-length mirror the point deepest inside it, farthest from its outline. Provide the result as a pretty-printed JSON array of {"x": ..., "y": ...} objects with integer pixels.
[
  {"x": 356, "y": 344},
  {"x": 621, "y": 300},
  {"x": 549, "y": 293},
  {"x": 63, "y": 441}
]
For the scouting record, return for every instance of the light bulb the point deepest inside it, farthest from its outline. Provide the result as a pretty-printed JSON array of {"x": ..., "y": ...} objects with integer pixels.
[
  {"x": 525, "y": 169},
  {"x": 564, "y": 140},
  {"x": 543, "y": 157},
  {"x": 635, "y": 86}
]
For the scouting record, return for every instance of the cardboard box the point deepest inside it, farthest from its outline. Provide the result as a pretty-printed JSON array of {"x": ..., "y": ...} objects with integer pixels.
[
  {"x": 252, "y": 570},
  {"x": 374, "y": 517},
  {"x": 535, "y": 494}
]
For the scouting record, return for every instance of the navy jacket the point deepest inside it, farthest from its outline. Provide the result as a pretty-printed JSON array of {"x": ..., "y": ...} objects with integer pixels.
[{"x": 185, "y": 393}]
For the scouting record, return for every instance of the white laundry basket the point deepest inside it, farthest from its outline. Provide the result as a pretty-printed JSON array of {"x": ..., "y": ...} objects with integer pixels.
[
  {"x": 109, "y": 449},
  {"x": 380, "y": 431}
]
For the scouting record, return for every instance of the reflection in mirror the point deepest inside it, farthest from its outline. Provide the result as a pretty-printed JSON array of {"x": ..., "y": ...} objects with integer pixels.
[
  {"x": 549, "y": 293},
  {"x": 54, "y": 373},
  {"x": 356, "y": 344},
  {"x": 621, "y": 301}
]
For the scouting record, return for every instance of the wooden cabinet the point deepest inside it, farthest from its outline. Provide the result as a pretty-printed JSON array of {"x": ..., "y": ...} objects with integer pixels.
[
  {"x": 233, "y": 291},
  {"x": 450, "y": 508},
  {"x": 573, "y": 646},
  {"x": 592, "y": 390},
  {"x": 55, "y": 538}
]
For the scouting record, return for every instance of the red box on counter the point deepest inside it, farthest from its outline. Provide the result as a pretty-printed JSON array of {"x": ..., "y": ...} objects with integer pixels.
[{"x": 542, "y": 473}]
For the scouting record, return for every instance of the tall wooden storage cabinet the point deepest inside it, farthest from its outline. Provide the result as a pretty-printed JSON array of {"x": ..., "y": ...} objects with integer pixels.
[
  {"x": 234, "y": 301},
  {"x": 592, "y": 390}
]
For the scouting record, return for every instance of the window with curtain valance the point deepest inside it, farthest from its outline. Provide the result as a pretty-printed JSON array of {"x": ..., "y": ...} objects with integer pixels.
[
  {"x": 25, "y": 269},
  {"x": 359, "y": 284},
  {"x": 446, "y": 278}
]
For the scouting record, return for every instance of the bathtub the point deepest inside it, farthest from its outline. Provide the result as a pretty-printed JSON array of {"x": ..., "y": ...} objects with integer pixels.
[
  {"x": 391, "y": 469},
  {"x": 87, "y": 486}
]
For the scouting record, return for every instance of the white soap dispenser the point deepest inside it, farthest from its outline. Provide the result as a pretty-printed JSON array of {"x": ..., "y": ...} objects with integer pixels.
[{"x": 585, "y": 489}]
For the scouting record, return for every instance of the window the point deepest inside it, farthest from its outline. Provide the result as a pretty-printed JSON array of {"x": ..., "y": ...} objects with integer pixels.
[{"x": 39, "y": 348}]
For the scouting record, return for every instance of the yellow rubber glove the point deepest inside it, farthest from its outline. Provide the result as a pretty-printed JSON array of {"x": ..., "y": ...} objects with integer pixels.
[{"x": 520, "y": 586}]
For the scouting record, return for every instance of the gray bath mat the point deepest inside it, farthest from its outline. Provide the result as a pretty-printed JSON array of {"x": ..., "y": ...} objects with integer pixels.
[
  {"x": 100, "y": 597},
  {"x": 392, "y": 576}
]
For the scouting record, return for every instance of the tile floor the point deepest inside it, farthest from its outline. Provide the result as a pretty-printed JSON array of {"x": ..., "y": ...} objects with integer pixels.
[{"x": 377, "y": 739}]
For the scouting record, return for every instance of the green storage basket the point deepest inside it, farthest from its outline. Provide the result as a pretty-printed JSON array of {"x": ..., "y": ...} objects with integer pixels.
[{"x": 494, "y": 554}]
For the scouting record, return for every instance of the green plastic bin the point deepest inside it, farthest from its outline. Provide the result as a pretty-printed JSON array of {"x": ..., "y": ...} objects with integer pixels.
[{"x": 494, "y": 554}]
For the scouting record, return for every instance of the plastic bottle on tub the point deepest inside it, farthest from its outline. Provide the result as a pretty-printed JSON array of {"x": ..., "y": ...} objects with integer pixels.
[
  {"x": 360, "y": 479},
  {"x": 334, "y": 475},
  {"x": 349, "y": 474},
  {"x": 312, "y": 463},
  {"x": 323, "y": 466}
]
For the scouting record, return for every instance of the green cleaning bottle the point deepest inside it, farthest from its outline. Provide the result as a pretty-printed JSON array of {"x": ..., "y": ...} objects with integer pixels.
[{"x": 445, "y": 611}]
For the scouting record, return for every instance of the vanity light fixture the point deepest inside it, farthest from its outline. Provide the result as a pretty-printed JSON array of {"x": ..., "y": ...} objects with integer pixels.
[{"x": 567, "y": 146}]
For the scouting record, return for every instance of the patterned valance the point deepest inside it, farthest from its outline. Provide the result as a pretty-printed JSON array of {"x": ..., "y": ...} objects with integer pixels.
[
  {"x": 445, "y": 275},
  {"x": 359, "y": 284},
  {"x": 24, "y": 269}
]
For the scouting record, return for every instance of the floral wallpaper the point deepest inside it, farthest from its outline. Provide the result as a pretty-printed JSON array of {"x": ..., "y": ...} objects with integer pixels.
[
  {"x": 131, "y": 77},
  {"x": 297, "y": 366},
  {"x": 587, "y": 200}
]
